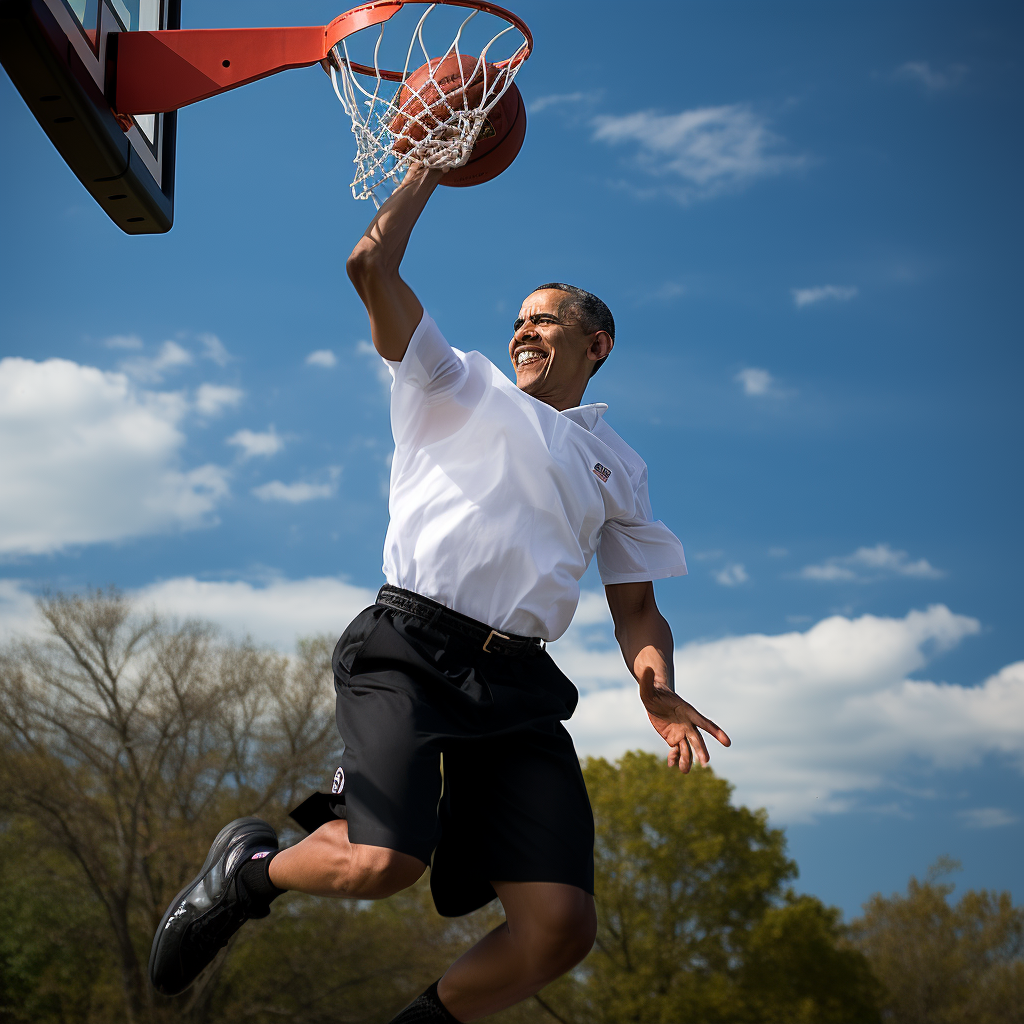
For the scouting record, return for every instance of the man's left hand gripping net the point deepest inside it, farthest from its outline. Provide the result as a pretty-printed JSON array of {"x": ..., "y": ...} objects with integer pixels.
[{"x": 390, "y": 134}]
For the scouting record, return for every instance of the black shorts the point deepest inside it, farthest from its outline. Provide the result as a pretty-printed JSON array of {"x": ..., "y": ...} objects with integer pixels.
[{"x": 459, "y": 757}]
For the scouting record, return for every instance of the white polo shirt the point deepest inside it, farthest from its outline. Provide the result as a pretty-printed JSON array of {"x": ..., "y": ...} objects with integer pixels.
[{"x": 498, "y": 501}]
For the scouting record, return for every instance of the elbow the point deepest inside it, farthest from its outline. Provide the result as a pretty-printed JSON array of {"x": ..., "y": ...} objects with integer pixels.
[{"x": 365, "y": 264}]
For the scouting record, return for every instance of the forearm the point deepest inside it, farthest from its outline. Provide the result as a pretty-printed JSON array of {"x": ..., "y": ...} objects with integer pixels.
[
  {"x": 644, "y": 636},
  {"x": 374, "y": 265},
  {"x": 646, "y": 646}
]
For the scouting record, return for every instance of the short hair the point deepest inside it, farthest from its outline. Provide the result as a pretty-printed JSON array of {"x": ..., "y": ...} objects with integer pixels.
[{"x": 587, "y": 310}]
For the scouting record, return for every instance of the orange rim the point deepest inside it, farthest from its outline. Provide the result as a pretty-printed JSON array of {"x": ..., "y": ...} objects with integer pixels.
[{"x": 396, "y": 76}]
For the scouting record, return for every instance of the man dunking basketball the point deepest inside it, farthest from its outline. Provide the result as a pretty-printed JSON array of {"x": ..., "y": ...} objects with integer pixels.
[{"x": 500, "y": 496}]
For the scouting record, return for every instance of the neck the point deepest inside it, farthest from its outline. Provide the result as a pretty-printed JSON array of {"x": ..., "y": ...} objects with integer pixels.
[{"x": 561, "y": 398}]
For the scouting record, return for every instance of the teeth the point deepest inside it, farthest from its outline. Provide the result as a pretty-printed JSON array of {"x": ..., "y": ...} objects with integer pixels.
[{"x": 527, "y": 355}]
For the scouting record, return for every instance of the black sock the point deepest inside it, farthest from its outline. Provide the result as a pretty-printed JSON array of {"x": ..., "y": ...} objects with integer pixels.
[
  {"x": 254, "y": 875},
  {"x": 426, "y": 1009}
]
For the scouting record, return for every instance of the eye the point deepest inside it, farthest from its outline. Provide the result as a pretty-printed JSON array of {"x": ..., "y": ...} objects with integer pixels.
[{"x": 519, "y": 323}]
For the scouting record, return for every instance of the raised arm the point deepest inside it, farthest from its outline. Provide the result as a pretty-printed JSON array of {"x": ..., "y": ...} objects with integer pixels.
[
  {"x": 645, "y": 639},
  {"x": 374, "y": 264}
]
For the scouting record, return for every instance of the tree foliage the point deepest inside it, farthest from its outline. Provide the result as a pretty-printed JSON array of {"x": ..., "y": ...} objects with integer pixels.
[
  {"x": 942, "y": 962},
  {"x": 55, "y": 939},
  {"x": 694, "y": 921},
  {"x": 127, "y": 740}
]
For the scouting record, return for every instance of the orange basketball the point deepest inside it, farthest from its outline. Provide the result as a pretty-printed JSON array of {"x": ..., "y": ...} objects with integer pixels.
[
  {"x": 458, "y": 84},
  {"x": 498, "y": 144}
]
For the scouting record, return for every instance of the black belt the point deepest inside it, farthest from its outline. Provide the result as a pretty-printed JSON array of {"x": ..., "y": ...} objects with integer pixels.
[{"x": 449, "y": 621}]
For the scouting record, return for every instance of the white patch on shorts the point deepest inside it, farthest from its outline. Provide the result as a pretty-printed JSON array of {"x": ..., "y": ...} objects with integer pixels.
[{"x": 339, "y": 780}]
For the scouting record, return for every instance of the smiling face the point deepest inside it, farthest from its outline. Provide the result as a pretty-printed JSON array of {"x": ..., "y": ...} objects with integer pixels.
[{"x": 552, "y": 356}]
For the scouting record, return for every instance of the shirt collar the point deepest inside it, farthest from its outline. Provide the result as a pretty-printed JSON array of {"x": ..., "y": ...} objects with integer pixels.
[{"x": 586, "y": 415}]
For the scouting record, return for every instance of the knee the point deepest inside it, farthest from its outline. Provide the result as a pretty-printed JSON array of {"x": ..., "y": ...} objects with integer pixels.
[
  {"x": 562, "y": 941},
  {"x": 577, "y": 938}
]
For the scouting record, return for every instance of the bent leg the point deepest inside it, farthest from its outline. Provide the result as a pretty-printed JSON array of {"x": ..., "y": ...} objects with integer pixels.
[
  {"x": 327, "y": 864},
  {"x": 549, "y": 928}
]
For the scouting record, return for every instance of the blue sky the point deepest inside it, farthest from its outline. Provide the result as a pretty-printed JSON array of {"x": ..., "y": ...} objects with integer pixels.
[{"x": 806, "y": 220}]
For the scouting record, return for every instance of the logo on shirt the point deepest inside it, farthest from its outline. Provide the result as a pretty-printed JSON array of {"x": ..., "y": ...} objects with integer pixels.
[
  {"x": 339, "y": 781},
  {"x": 601, "y": 472}
]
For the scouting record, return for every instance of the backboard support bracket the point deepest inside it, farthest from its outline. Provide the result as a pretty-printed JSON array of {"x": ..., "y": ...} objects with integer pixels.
[{"x": 165, "y": 70}]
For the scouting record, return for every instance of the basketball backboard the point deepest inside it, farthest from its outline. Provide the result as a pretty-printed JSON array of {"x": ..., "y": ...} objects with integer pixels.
[{"x": 61, "y": 56}]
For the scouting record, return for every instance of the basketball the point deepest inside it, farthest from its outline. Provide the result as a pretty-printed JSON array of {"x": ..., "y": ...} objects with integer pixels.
[{"x": 458, "y": 84}]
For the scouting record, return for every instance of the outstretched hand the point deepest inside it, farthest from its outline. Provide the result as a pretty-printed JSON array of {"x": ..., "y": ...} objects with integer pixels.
[
  {"x": 679, "y": 724},
  {"x": 646, "y": 642}
]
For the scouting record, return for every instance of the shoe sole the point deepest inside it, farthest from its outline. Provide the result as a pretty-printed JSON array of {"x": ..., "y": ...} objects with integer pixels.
[{"x": 217, "y": 849}]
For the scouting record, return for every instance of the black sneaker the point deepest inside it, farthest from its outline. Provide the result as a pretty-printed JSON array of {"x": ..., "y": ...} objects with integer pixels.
[{"x": 210, "y": 909}]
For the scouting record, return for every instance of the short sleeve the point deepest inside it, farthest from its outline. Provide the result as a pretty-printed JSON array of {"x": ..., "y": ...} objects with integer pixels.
[
  {"x": 639, "y": 549},
  {"x": 429, "y": 396},
  {"x": 430, "y": 364}
]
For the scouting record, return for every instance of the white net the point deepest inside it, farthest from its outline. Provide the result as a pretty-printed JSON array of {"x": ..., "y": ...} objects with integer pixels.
[{"x": 434, "y": 110}]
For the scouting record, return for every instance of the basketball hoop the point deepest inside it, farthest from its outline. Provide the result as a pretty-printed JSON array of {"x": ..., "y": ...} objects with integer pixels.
[{"x": 400, "y": 118}]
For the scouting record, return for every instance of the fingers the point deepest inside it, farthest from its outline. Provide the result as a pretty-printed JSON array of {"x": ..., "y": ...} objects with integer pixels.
[
  {"x": 698, "y": 746},
  {"x": 685, "y": 741},
  {"x": 712, "y": 729},
  {"x": 691, "y": 747}
]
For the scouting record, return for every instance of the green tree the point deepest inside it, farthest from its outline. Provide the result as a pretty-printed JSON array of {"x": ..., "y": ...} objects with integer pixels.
[
  {"x": 942, "y": 962},
  {"x": 694, "y": 922},
  {"x": 800, "y": 968},
  {"x": 55, "y": 964}
]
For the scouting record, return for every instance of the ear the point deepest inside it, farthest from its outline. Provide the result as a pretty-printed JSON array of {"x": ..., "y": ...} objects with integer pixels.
[{"x": 600, "y": 345}]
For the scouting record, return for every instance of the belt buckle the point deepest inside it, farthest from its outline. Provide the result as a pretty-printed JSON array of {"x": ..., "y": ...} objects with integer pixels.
[{"x": 490, "y": 636}]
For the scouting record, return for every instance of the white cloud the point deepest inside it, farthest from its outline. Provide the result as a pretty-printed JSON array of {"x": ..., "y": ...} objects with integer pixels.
[
  {"x": 298, "y": 492},
  {"x": 252, "y": 443},
  {"x": 755, "y": 381},
  {"x": 668, "y": 291},
  {"x": 322, "y": 357},
  {"x": 809, "y": 296},
  {"x": 213, "y": 399},
  {"x": 129, "y": 341},
  {"x": 987, "y": 817},
  {"x": 214, "y": 349},
  {"x": 759, "y": 383},
  {"x": 732, "y": 575},
  {"x": 867, "y": 565},
  {"x": 151, "y": 371},
  {"x": 87, "y": 457},
  {"x": 711, "y": 149},
  {"x": 560, "y": 99},
  {"x": 274, "y": 612},
  {"x": 921, "y": 71},
  {"x": 592, "y": 609},
  {"x": 17, "y": 610},
  {"x": 364, "y": 348},
  {"x": 819, "y": 719}
]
